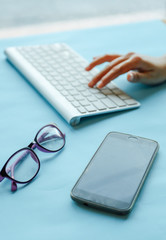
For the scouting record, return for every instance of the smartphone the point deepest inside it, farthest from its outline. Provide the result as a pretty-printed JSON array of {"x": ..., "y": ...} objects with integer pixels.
[{"x": 114, "y": 176}]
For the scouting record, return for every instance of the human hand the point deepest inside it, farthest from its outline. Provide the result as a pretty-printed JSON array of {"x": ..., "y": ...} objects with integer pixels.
[{"x": 140, "y": 68}]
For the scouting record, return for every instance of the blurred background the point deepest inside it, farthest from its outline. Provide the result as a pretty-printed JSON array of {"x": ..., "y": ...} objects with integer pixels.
[{"x": 56, "y": 14}]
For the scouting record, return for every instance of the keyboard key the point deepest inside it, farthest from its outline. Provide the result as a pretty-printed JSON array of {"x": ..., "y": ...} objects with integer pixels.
[
  {"x": 86, "y": 93},
  {"x": 75, "y": 104},
  {"x": 123, "y": 96},
  {"x": 108, "y": 103},
  {"x": 65, "y": 54},
  {"x": 93, "y": 90},
  {"x": 84, "y": 102},
  {"x": 111, "y": 86},
  {"x": 80, "y": 88},
  {"x": 79, "y": 97},
  {"x": 130, "y": 101},
  {"x": 44, "y": 73},
  {"x": 57, "y": 47},
  {"x": 64, "y": 92},
  {"x": 68, "y": 87},
  {"x": 99, "y": 105},
  {"x": 81, "y": 109},
  {"x": 116, "y": 91},
  {"x": 62, "y": 82},
  {"x": 117, "y": 100},
  {"x": 92, "y": 98},
  {"x": 75, "y": 84},
  {"x": 70, "y": 79},
  {"x": 100, "y": 95},
  {"x": 53, "y": 73},
  {"x": 70, "y": 98},
  {"x": 59, "y": 88},
  {"x": 91, "y": 108},
  {"x": 83, "y": 81},
  {"x": 106, "y": 91},
  {"x": 73, "y": 92},
  {"x": 49, "y": 78}
]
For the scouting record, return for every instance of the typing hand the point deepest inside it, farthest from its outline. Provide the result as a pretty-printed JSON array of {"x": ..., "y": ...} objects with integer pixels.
[{"x": 139, "y": 68}]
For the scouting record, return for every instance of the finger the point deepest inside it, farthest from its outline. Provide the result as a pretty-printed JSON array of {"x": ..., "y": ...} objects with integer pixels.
[
  {"x": 137, "y": 77},
  {"x": 123, "y": 67},
  {"x": 106, "y": 58},
  {"x": 100, "y": 60},
  {"x": 98, "y": 77}
]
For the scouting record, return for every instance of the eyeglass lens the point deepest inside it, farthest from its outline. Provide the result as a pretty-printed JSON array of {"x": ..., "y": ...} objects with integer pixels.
[
  {"x": 50, "y": 138},
  {"x": 22, "y": 166}
]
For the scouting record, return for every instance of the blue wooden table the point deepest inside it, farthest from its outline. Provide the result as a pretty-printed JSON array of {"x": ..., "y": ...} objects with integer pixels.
[{"x": 43, "y": 209}]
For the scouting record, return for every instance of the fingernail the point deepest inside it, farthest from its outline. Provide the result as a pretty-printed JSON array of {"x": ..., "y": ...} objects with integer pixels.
[
  {"x": 100, "y": 85},
  {"x": 130, "y": 77}
]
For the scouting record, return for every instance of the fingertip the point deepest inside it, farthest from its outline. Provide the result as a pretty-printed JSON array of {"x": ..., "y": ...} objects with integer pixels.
[
  {"x": 133, "y": 77},
  {"x": 87, "y": 68},
  {"x": 130, "y": 77},
  {"x": 100, "y": 85},
  {"x": 90, "y": 84}
]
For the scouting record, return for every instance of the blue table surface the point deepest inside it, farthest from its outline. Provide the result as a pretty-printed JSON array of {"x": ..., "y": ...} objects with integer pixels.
[{"x": 43, "y": 209}]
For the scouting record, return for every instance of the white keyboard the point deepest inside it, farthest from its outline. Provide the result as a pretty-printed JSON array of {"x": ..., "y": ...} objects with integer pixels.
[{"x": 57, "y": 71}]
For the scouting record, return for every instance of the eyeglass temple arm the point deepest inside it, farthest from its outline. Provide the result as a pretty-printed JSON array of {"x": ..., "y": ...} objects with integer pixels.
[
  {"x": 13, "y": 185},
  {"x": 1, "y": 177},
  {"x": 11, "y": 169}
]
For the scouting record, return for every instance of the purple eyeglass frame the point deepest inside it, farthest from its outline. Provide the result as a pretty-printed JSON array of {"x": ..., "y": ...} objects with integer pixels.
[{"x": 31, "y": 146}]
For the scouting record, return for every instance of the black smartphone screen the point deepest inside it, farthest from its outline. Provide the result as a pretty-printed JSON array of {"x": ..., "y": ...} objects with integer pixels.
[{"x": 116, "y": 172}]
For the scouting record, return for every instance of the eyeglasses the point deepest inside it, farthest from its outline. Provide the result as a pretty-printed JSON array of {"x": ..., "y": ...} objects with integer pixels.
[{"x": 23, "y": 166}]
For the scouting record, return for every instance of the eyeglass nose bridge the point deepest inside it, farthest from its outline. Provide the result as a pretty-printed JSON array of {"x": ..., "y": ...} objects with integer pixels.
[{"x": 34, "y": 145}]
